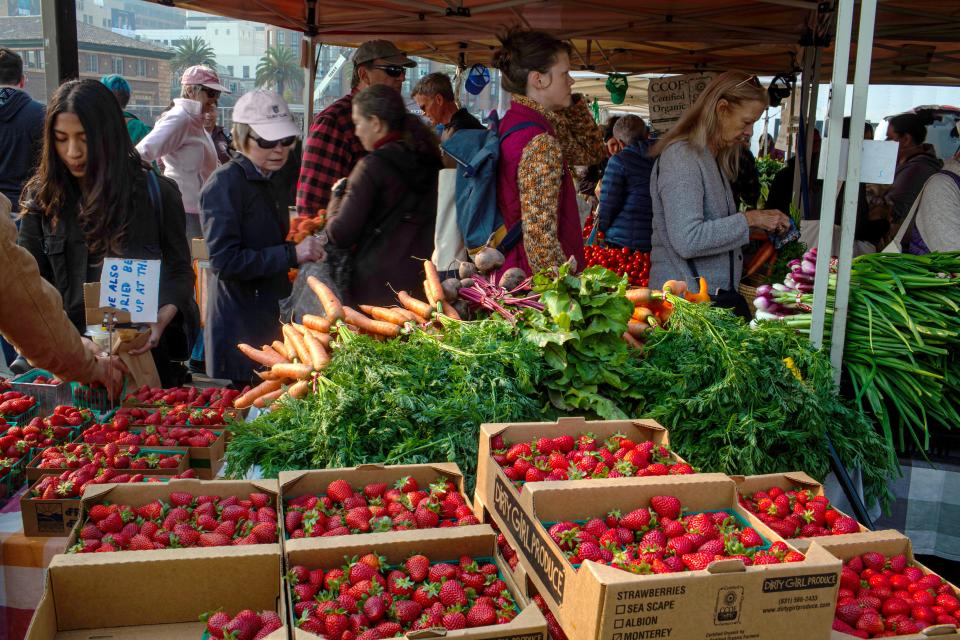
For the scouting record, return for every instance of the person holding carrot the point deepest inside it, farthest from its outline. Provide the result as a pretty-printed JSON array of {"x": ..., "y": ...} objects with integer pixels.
[
  {"x": 384, "y": 213},
  {"x": 246, "y": 233},
  {"x": 697, "y": 230},
  {"x": 94, "y": 197}
]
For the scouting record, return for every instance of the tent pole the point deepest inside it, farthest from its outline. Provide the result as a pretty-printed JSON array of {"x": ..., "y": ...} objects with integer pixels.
[
  {"x": 828, "y": 204},
  {"x": 309, "y": 83},
  {"x": 851, "y": 193},
  {"x": 806, "y": 80},
  {"x": 59, "y": 24}
]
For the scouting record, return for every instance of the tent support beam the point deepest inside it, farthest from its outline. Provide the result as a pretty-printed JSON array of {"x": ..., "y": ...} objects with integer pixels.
[
  {"x": 828, "y": 203},
  {"x": 851, "y": 192}
]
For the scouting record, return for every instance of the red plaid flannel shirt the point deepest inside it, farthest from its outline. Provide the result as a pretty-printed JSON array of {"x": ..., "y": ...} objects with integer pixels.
[{"x": 331, "y": 151}]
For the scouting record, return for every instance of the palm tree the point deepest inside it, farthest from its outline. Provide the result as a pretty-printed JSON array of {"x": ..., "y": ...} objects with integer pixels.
[
  {"x": 190, "y": 52},
  {"x": 279, "y": 68}
]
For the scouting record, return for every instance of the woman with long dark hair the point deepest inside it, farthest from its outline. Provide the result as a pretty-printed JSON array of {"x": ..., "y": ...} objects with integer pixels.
[
  {"x": 385, "y": 212},
  {"x": 93, "y": 197}
]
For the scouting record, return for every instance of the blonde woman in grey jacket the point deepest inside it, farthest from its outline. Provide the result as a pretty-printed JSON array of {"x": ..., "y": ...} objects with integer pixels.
[{"x": 697, "y": 230}]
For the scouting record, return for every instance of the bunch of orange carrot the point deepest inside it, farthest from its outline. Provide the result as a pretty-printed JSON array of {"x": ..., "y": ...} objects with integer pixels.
[
  {"x": 652, "y": 308},
  {"x": 292, "y": 364}
]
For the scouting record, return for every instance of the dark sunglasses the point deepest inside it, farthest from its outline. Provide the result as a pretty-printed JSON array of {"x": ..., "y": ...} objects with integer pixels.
[
  {"x": 392, "y": 70},
  {"x": 752, "y": 80},
  {"x": 270, "y": 144},
  {"x": 213, "y": 93}
]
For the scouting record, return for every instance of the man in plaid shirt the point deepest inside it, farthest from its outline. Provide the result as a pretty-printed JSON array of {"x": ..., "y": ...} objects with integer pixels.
[{"x": 332, "y": 149}]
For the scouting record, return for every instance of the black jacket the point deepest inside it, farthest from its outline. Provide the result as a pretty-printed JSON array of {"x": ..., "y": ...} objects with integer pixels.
[
  {"x": 21, "y": 134},
  {"x": 626, "y": 211},
  {"x": 387, "y": 217},
  {"x": 149, "y": 233},
  {"x": 246, "y": 236}
]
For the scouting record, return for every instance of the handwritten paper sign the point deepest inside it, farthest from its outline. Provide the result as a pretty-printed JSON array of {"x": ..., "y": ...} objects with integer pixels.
[
  {"x": 878, "y": 161},
  {"x": 131, "y": 285}
]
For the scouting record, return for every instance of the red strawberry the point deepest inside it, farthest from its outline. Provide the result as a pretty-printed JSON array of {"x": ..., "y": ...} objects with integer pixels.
[
  {"x": 750, "y": 538},
  {"x": 265, "y": 532},
  {"x": 339, "y": 490},
  {"x": 213, "y": 540},
  {"x": 335, "y": 624},
  {"x": 406, "y": 611},
  {"x": 180, "y": 498},
  {"x": 636, "y": 520},
  {"x": 481, "y": 615},
  {"x": 844, "y": 524},
  {"x": 452, "y": 593},
  {"x": 417, "y": 567},
  {"x": 454, "y": 621},
  {"x": 666, "y": 506},
  {"x": 696, "y": 561}
]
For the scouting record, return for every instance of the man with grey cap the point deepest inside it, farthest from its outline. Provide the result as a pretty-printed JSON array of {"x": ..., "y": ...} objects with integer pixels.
[
  {"x": 246, "y": 234},
  {"x": 332, "y": 148}
]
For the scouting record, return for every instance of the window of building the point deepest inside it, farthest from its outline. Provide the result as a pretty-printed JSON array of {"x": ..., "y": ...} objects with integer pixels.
[
  {"x": 93, "y": 63},
  {"x": 280, "y": 35},
  {"x": 142, "y": 67},
  {"x": 233, "y": 87},
  {"x": 229, "y": 69},
  {"x": 228, "y": 31},
  {"x": 106, "y": 23},
  {"x": 246, "y": 71},
  {"x": 118, "y": 66}
]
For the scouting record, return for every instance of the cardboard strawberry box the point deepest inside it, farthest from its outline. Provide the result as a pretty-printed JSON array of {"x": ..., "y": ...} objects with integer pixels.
[
  {"x": 156, "y": 595},
  {"x": 790, "y": 601},
  {"x": 35, "y": 471},
  {"x": 506, "y": 554},
  {"x": 296, "y": 485},
  {"x": 489, "y": 472},
  {"x": 439, "y": 545},
  {"x": 140, "y": 495},
  {"x": 749, "y": 485},
  {"x": 57, "y": 516},
  {"x": 889, "y": 543}
]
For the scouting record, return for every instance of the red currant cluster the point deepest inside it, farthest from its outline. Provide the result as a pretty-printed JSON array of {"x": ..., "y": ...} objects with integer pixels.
[{"x": 633, "y": 264}]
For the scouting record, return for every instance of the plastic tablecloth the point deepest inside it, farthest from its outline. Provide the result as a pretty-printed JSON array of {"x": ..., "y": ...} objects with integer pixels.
[{"x": 22, "y": 564}]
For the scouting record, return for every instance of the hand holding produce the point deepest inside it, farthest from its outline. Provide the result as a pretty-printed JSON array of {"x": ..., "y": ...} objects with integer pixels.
[
  {"x": 184, "y": 520},
  {"x": 769, "y": 220},
  {"x": 310, "y": 249},
  {"x": 420, "y": 594}
]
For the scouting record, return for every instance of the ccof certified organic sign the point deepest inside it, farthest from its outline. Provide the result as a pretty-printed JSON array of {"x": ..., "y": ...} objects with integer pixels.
[
  {"x": 670, "y": 96},
  {"x": 131, "y": 285}
]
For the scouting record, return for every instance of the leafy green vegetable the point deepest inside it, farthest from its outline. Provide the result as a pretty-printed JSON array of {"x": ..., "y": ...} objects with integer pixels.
[
  {"x": 580, "y": 332},
  {"x": 399, "y": 401},
  {"x": 734, "y": 403}
]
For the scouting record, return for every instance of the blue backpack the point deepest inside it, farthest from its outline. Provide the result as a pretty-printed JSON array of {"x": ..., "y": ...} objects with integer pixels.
[{"x": 477, "y": 152}]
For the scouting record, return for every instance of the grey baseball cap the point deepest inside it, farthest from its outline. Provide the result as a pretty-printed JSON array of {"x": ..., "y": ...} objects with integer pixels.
[{"x": 381, "y": 50}]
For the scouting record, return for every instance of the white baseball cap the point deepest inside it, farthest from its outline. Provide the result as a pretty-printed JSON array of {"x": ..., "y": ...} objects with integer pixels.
[{"x": 267, "y": 114}]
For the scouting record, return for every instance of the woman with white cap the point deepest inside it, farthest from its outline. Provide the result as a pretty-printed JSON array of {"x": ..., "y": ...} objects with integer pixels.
[
  {"x": 246, "y": 235},
  {"x": 180, "y": 140}
]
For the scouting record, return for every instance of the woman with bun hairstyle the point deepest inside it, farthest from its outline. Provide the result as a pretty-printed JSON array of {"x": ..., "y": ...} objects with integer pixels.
[{"x": 545, "y": 131}]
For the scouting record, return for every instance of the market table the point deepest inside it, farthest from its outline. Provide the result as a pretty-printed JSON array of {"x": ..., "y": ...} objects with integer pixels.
[{"x": 22, "y": 564}]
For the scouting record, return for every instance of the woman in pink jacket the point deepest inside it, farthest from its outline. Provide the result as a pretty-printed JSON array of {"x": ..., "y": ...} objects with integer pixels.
[{"x": 180, "y": 140}]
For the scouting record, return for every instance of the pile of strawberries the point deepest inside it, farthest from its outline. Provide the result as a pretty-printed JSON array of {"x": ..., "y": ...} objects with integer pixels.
[
  {"x": 184, "y": 520},
  {"x": 118, "y": 432},
  {"x": 70, "y": 484},
  {"x": 798, "y": 513},
  {"x": 51, "y": 380},
  {"x": 212, "y": 397},
  {"x": 884, "y": 596},
  {"x": 367, "y": 599},
  {"x": 76, "y": 454},
  {"x": 660, "y": 539},
  {"x": 178, "y": 416},
  {"x": 377, "y": 507},
  {"x": 586, "y": 457},
  {"x": 14, "y": 403},
  {"x": 554, "y": 630},
  {"x": 246, "y": 625}
]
